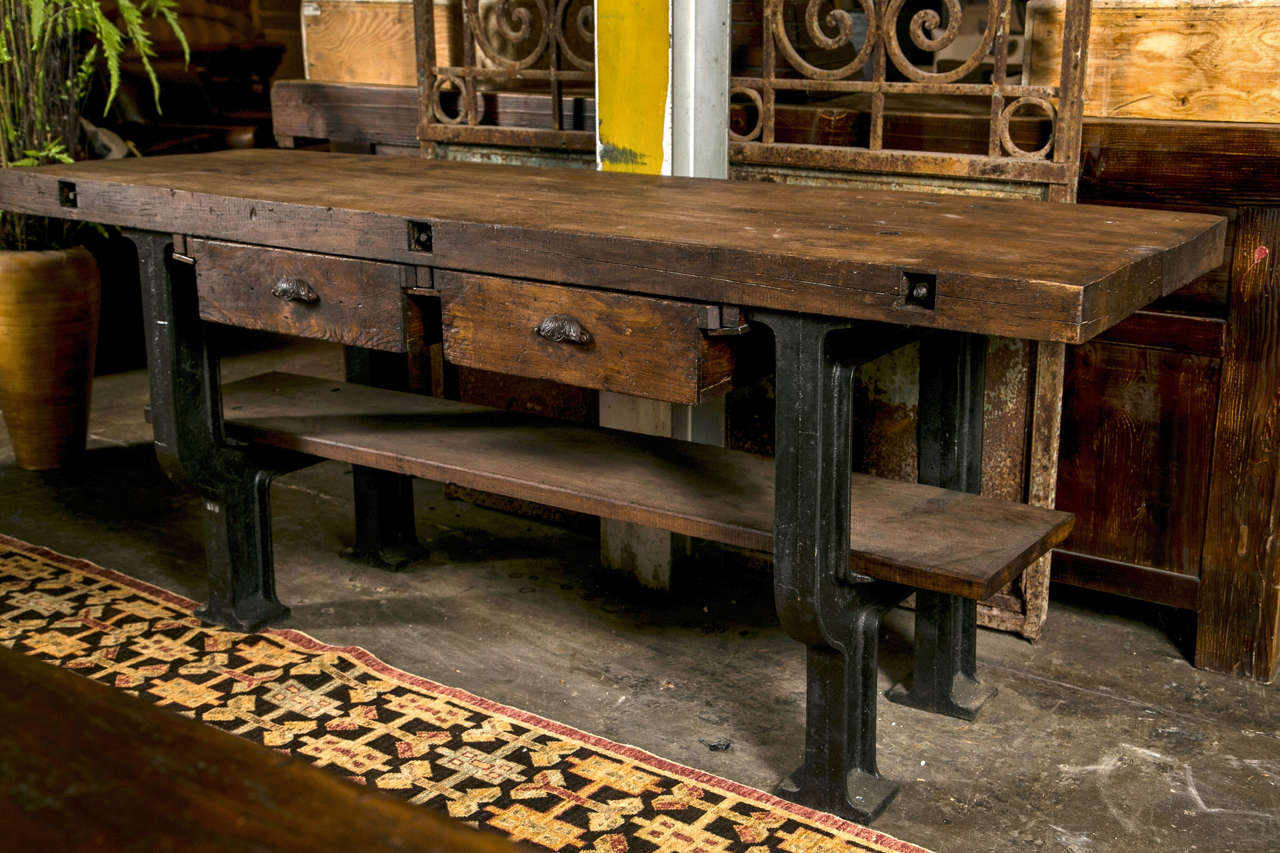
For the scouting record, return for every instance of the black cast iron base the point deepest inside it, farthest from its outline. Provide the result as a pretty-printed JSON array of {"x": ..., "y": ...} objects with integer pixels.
[{"x": 864, "y": 798}]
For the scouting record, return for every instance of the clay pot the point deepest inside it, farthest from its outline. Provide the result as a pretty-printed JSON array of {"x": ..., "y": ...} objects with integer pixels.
[{"x": 49, "y": 307}]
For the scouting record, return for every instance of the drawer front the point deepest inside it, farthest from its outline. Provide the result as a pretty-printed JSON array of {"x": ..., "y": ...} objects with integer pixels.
[
  {"x": 609, "y": 341},
  {"x": 353, "y": 302}
]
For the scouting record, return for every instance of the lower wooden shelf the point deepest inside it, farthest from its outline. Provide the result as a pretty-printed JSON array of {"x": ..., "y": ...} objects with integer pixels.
[{"x": 922, "y": 536}]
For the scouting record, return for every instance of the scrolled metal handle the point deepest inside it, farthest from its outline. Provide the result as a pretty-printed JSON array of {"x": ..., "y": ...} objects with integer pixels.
[
  {"x": 295, "y": 290},
  {"x": 562, "y": 327}
]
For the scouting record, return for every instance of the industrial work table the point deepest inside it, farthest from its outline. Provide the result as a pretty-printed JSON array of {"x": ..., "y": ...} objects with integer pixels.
[{"x": 650, "y": 286}]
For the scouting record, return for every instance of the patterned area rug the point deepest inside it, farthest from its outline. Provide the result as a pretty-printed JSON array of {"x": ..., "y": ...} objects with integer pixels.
[{"x": 488, "y": 764}]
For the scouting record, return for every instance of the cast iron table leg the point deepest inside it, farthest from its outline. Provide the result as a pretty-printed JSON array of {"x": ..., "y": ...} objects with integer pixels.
[
  {"x": 821, "y": 601},
  {"x": 186, "y": 411},
  {"x": 385, "y": 535},
  {"x": 949, "y": 435}
]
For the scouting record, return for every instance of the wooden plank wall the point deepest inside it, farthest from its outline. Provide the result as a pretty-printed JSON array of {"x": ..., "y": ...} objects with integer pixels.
[{"x": 1206, "y": 60}]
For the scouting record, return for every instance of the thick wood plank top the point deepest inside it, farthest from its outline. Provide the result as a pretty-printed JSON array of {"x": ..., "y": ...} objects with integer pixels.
[
  {"x": 919, "y": 535},
  {"x": 1017, "y": 268},
  {"x": 89, "y": 767}
]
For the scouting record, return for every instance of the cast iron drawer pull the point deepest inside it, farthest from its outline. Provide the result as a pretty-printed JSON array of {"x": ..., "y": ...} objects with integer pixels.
[
  {"x": 295, "y": 290},
  {"x": 562, "y": 327}
]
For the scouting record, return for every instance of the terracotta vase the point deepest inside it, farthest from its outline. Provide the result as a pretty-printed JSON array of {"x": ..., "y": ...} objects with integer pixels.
[{"x": 49, "y": 307}]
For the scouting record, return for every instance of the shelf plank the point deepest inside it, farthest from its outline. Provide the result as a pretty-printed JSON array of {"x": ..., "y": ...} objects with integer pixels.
[{"x": 908, "y": 533}]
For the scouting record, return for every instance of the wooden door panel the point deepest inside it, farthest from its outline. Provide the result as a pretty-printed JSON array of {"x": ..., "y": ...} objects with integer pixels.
[{"x": 1137, "y": 438}]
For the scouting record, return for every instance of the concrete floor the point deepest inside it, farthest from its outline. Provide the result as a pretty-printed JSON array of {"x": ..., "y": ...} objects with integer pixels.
[{"x": 1102, "y": 736}]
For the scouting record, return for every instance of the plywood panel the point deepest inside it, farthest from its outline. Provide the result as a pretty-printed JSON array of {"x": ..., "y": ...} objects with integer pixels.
[
  {"x": 371, "y": 41},
  {"x": 1209, "y": 60}
]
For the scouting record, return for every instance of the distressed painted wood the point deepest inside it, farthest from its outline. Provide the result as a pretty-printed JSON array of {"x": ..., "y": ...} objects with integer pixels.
[
  {"x": 633, "y": 86},
  {"x": 650, "y": 348},
  {"x": 922, "y": 536},
  {"x": 358, "y": 303},
  {"x": 1063, "y": 272}
]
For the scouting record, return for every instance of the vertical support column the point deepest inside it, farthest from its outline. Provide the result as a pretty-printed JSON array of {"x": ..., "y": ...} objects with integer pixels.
[
  {"x": 820, "y": 602},
  {"x": 700, "y": 88},
  {"x": 1238, "y": 616},
  {"x": 186, "y": 411},
  {"x": 662, "y": 107},
  {"x": 949, "y": 436},
  {"x": 1042, "y": 475},
  {"x": 385, "y": 535}
]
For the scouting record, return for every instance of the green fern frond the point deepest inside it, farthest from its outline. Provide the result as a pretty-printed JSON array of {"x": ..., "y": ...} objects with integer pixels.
[
  {"x": 168, "y": 10},
  {"x": 112, "y": 41},
  {"x": 38, "y": 10},
  {"x": 135, "y": 30},
  {"x": 84, "y": 74}
]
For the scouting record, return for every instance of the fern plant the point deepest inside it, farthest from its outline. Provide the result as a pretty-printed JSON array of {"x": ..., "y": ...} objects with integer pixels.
[{"x": 50, "y": 51}]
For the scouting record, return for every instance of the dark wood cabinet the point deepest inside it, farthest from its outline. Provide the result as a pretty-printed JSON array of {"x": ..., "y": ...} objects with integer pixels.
[{"x": 1171, "y": 421}]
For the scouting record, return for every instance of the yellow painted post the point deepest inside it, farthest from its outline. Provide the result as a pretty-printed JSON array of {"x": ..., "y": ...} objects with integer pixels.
[
  {"x": 633, "y": 86},
  {"x": 633, "y": 134}
]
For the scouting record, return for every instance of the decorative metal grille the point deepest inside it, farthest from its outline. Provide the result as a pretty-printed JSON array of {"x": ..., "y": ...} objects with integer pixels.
[
  {"x": 523, "y": 75},
  {"x": 527, "y": 71},
  {"x": 857, "y": 51}
]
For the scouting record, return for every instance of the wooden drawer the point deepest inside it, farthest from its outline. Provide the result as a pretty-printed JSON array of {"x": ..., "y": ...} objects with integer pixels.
[
  {"x": 653, "y": 348},
  {"x": 354, "y": 302}
]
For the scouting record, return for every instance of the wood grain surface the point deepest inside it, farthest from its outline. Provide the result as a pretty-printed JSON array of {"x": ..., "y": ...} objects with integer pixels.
[
  {"x": 357, "y": 41},
  {"x": 367, "y": 113},
  {"x": 88, "y": 767},
  {"x": 645, "y": 347},
  {"x": 358, "y": 303},
  {"x": 1239, "y": 626},
  {"x": 1010, "y": 267},
  {"x": 1205, "y": 60},
  {"x": 1145, "y": 416},
  {"x": 919, "y": 535}
]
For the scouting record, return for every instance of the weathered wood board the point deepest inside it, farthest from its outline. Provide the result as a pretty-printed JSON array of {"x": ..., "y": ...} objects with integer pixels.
[
  {"x": 1022, "y": 269},
  {"x": 975, "y": 544},
  {"x": 1207, "y": 60},
  {"x": 652, "y": 348}
]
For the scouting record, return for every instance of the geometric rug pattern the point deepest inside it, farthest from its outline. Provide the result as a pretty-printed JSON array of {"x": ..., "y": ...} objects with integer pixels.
[{"x": 491, "y": 765}]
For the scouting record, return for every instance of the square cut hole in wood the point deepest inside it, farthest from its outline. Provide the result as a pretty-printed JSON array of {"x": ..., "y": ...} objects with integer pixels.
[{"x": 919, "y": 288}]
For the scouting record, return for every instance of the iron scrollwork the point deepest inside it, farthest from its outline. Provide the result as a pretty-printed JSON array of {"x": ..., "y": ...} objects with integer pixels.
[
  {"x": 536, "y": 48},
  {"x": 864, "y": 51}
]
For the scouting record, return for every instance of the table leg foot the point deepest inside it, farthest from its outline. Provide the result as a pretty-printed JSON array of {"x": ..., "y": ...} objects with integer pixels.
[
  {"x": 242, "y": 586},
  {"x": 385, "y": 535},
  {"x": 965, "y": 698},
  {"x": 246, "y": 616},
  {"x": 864, "y": 798},
  {"x": 391, "y": 558},
  {"x": 945, "y": 680}
]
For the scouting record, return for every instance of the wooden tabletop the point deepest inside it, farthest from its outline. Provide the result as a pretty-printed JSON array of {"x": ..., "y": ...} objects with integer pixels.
[
  {"x": 1007, "y": 267},
  {"x": 88, "y": 767}
]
